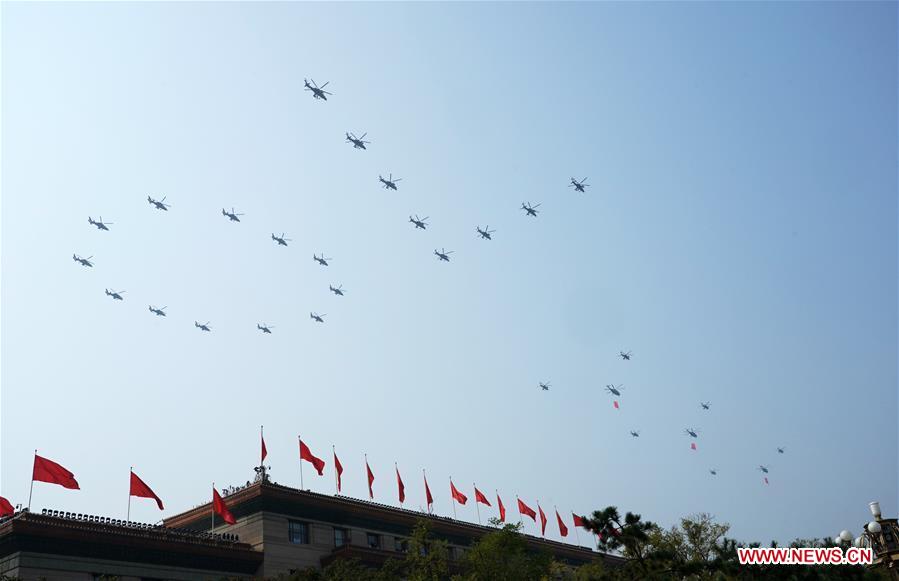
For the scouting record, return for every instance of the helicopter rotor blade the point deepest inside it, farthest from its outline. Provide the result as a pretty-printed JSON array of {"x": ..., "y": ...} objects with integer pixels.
[{"x": 325, "y": 85}]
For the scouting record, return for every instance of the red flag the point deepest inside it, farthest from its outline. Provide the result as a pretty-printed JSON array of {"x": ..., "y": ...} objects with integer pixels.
[
  {"x": 400, "y": 487},
  {"x": 479, "y": 497},
  {"x": 563, "y": 530},
  {"x": 542, "y": 520},
  {"x": 458, "y": 496},
  {"x": 371, "y": 479},
  {"x": 306, "y": 454},
  {"x": 139, "y": 488},
  {"x": 766, "y": 480},
  {"x": 502, "y": 508},
  {"x": 615, "y": 403},
  {"x": 264, "y": 451},
  {"x": 220, "y": 508},
  {"x": 428, "y": 496},
  {"x": 6, "y": 508},
  {"x": 692, "y": 445},
  {"x": 578, "y": 520},
  {"x": 339, "y": 469},
  {"x": 525, "y": 509},
  {"x": 49, "y": 471}
]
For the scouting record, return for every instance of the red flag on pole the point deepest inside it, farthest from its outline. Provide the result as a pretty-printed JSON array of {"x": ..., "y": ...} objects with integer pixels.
[
  {"x": 49, "y": 471},
  {"x": 479, "y": 497},
  {"x": 460, "y": 498},
  {"x": 428, "y": 497},
  {"x": 401, "y": 489},
  {"x": 502, "y": 508},
  {"x": 339, "y": 469},
  {"x": 371, "y": 479},
  {"x": 542, "y": 520},
  {"x": 6, "y": 507},
  {"x": 578, "y": 520},
  {"x": 307, "y": 455},
  {"x": 526, "y": 510},
  {"x": 264, "y": 451},
  {"x": 563, "y": 530},
  {"x": 139, "y": 488},
  {"x": 220, "y": 508}
]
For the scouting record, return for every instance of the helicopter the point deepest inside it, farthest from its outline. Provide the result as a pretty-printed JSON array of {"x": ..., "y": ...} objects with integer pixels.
[
  {"x": 337, "y": 291},
  {"x": 318, "y": 318},
  {"x": 158, "y": 312},
  {"x": 579, "y": 185},
  {"x": 317, "y": 92},
  {"x": 531, "y": 210},
  {"x": 486, "y": 233},
  {"x": 443, "y": 254},
  {"x": 615, "y": 389},
  {"x": 321, "y": 259},
  {"x": 389, "y": 183},
  {"x": 116, "y": 295},
  {"x": 713, "y": 472},
  {"x": 780, "y": 449},
  {"x": 83, "y": 261},
  {"x": 705, "y": 405},
  {"x": 419, "y": 222},
  {"x": 281, "y": 240},
  {"x": 635, "y": 434},
  {"x": 693, "y": 433},
  {"x": 159, "y": 203},
  {"x": 545, "y": 386},
  {"x": 625, "y": 356},
  {"x": 267, "y": 329},
  {"x": 763, "y": 468},
  {"x": 99, "y": 223},
  {"x": 232, "y": 215},
  {"x": 357, "y": 142},
  {"x": 203, "y": 327}
]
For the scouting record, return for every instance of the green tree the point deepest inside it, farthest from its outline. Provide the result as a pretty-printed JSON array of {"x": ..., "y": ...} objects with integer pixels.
[
  {"x": 504, "y": 555},
  {"x": 427, "y": 559}
]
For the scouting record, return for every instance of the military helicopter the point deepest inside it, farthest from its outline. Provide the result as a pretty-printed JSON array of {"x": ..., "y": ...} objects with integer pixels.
[
  {"x": 99, "y": 223},
  {"x": 545, "y": 386},
  {"x": 317, "y": 92},
  {"x": 318, "y": 318},
  {"x": 693, "y": 433},
  {"x": 83, "y": 261},
  {"x": 389, "y": 183},
  {"x": 281, "y": 240},
  {"x": 635, "y": 434},
  {"x": 419, "y": 222},
  {"x": 763, "y": 468},
  {"x": 337, "y": 291},
  {"x": 159, "y": 203},
  {"x": 232, "y": 215},
  {"x": 158, "y": 312},
  {"x": 780, "y": 449},
  {"x": 531, "y": 210},
  {"x": 321, "y": 259},
  {"x": 267, "y": 329},
  {"x": 486, "y": 233},
  {"x": 713, "y": 472},
  {"x": 443, "y": 254},
  {"x": 625, "y": 356},
  {"x": 615, "y": 389},
  {"x": 357, "y": 142},
  {"x": 579, "y": 185},
  {"x": 116, "y": 295},
  {"x": 706, "y": 405},
  {"x": 203, "y": 327}
]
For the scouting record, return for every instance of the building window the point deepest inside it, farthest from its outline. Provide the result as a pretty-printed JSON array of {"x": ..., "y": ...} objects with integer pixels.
[
  {"x": 298, "y": 532},
  {"x": 373, "y": 540},
  {"x": 400, "y": 545},
  {"x": 341, "y": 537}
]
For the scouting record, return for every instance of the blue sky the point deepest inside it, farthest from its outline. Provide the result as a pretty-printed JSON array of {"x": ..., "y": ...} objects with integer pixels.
[{"x": 739, "y": 236}]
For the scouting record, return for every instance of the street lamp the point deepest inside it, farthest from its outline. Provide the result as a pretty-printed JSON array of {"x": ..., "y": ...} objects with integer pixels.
[{"x": 881, "y": 535}]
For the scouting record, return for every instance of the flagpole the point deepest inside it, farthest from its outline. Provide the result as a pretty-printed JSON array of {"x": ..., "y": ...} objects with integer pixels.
[
  {"x": 300, "y": 441},
  {"x": 128, "y": 517},
  {"x": 30, "y": 490},
  {"x": 261, "y": 441},
  {"x": 454, "y": 498},
  {"x": 425, "y": 477},
  {"x": 397, "y": 469},
  {"x": 213, "y": 509},
  {"x": 576, "y": 534},
  {"x": 367, "y": 469},
  {"x": 478, "y": 508},
  {"x": 334, "y": 455}
]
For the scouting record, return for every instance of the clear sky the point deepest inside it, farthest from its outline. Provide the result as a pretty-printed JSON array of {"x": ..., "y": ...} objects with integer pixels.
[{"x": 738, "y": 235}]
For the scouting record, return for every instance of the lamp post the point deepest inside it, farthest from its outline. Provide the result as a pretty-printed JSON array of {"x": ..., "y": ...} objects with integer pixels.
[{"x": 881, "y": 535}]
